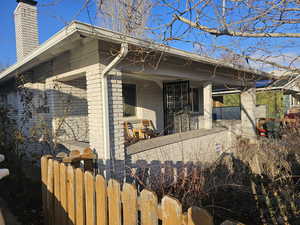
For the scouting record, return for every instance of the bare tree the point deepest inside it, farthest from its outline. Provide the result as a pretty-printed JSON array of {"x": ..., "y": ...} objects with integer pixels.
[
  {"x": 263, "y": 33},
  {"x": 125, "y": 16}
]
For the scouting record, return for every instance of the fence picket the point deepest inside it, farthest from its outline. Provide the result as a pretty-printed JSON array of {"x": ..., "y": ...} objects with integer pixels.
[
  {"x": 129, "y": 200},
  {"x": 71, "y": 195},
  {"x": 79, "y": 199},
  {"x": 114, "y": 202},
  {"x": 44, "y": 175},
  {"x": 148, "y": 208},
  {"x": 101, "y": 200},
  {"x": 198, "y": 216},
  {"x": 90, "y": 198},
  {"x": 171, "y": 211},
  {"x": 63, "y": 193},
  {"x": 50, "y": 194},
  {"x": 57, "y": 203}
]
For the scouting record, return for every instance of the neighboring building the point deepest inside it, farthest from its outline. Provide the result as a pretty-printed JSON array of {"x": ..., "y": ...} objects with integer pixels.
[
  {"x": 273, "y": 100},
  {"x": 85, "y": 81}
]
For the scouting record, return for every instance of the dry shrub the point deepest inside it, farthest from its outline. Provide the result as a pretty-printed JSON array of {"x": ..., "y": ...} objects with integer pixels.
[{"x": 258, "y": 184}]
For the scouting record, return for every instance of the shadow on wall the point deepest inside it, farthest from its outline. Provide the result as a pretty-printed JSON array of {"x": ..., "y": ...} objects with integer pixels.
[{"x": 37, "y": 111}]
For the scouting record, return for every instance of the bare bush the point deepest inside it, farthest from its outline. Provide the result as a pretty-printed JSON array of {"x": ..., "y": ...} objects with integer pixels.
[{"x": 256, "y": 185}]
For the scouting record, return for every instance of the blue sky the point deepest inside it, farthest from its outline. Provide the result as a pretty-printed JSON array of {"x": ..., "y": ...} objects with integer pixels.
[{"x": 52, "y": 18}]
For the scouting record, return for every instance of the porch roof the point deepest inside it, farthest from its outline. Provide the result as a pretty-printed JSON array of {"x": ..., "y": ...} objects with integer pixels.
[{"x": 64, "y": 40}]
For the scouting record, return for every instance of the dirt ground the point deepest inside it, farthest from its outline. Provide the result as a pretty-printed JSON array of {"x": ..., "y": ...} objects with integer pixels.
[
  {"x": 20, "y": 201},
  {"x": 6, "y": 217}
]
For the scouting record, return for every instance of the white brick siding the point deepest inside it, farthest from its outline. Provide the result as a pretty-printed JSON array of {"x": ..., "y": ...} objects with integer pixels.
[
  {"x": 26, "y": 29},
  {"x": 116, "y": 129},
  {"x": 94, "y": 96},
  {"x": 70, "y": 110}
]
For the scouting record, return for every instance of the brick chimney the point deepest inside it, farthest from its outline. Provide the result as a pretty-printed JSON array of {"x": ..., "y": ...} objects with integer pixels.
[{"x": 26, "y": 25}]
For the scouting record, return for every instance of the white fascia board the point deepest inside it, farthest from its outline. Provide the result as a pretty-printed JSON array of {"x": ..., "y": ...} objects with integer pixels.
[
  {"x": 58, "y": 37},
  {"x": 116, "y": 37},
  {"x": 239, "y": 91}
]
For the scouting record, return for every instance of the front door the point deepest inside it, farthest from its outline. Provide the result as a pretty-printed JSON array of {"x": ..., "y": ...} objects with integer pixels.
[{"x": 176, "y": 105}]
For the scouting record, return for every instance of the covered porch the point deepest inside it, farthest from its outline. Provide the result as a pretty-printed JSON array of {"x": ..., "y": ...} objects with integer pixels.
[
  {"x": 175, "y": 104},
  {"x": 168, "y": 105}
]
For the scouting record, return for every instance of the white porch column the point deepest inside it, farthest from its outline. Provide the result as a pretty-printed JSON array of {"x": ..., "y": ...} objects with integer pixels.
[
  {"x": 248, "y": 117},
  {"x": 94, "y": 97},
  {"x": 207, "y": 105},
  {"x": 115, "y": 107}
]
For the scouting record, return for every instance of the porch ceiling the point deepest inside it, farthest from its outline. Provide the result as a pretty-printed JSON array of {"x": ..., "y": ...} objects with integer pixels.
[{"x": 162, "y": 75}]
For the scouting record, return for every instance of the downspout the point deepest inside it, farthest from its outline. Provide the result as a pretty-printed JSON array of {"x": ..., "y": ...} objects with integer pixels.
[{"x": 107, "y": 69}]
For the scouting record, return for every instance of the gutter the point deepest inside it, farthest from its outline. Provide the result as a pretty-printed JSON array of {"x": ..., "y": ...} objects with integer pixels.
[
  {"x": 33, "y": 57},
  {"x": 107, "y": 69}
]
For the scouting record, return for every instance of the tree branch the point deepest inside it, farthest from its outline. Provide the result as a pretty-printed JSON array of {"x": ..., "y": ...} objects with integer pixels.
[{"x": 217, "y": 32}]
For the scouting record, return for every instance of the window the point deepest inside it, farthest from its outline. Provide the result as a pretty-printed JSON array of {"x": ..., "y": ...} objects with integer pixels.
[
  {"x": 195, "y": 100},
  {"x": 129, "y": 99}
]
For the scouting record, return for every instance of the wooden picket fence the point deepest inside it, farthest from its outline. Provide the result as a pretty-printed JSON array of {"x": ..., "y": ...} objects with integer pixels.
[{"x": 74, "y": 197}]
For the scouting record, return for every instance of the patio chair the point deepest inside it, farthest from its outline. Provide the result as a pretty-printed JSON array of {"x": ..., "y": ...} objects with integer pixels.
[
  {"x": 148, "y": 129},
  {"x": 131, "y": 134}
]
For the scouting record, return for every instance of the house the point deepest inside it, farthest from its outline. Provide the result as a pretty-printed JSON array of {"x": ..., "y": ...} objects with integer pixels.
[
  {"x": 85, "y": 82},
  {"x": 273, "y": 99}
]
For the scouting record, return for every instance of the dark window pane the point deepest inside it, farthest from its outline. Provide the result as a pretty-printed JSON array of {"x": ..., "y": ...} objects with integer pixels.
[
  {"x": 196, "y": 99},
  {"x": 129, "y": 99}
]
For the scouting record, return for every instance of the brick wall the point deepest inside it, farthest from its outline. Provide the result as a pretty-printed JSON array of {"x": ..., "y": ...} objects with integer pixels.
[
  {"x": 115, "y": 101},
  {"x": 26, "y": 29},
  {"x": 94, "y": 96},
  {"x": 70, "y": 110}
]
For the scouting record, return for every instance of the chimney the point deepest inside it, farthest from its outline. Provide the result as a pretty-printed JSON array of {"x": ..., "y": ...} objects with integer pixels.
[{"x": 26, "y": 26}]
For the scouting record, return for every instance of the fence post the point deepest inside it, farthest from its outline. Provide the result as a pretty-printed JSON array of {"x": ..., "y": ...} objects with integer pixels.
[
  {"x": 57, "y": 203},
  {"x": 71, "y": 195},
  {"x": 171, "y": 211},
  {"x": 50, "y": 194},
  {"x": 148, "y": 207},
  {"x": 90, "y": 198},
  {"x": 114, "y": 202},
  {"x": 63, "y": 193},
  {"x": 129, "y": 200},
  {"x": 44, "y": 175},
  {"x": 101, "y": 200},
  {"x": 80, "y": 206}
]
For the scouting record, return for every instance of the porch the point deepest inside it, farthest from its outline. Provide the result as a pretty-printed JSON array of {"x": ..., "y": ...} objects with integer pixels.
[
  {"x": 168, "y": 106},
  {"x": 172, "y": 105}
]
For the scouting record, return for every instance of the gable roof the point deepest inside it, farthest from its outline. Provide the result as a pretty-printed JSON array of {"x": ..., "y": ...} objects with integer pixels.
[{"x": 76, "y": 30}]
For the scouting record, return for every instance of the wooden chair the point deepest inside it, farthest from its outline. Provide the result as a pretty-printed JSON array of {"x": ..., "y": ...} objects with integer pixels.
[
  {"x": 131, "y": 134},
  {"x": 148, "y": 129}
]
